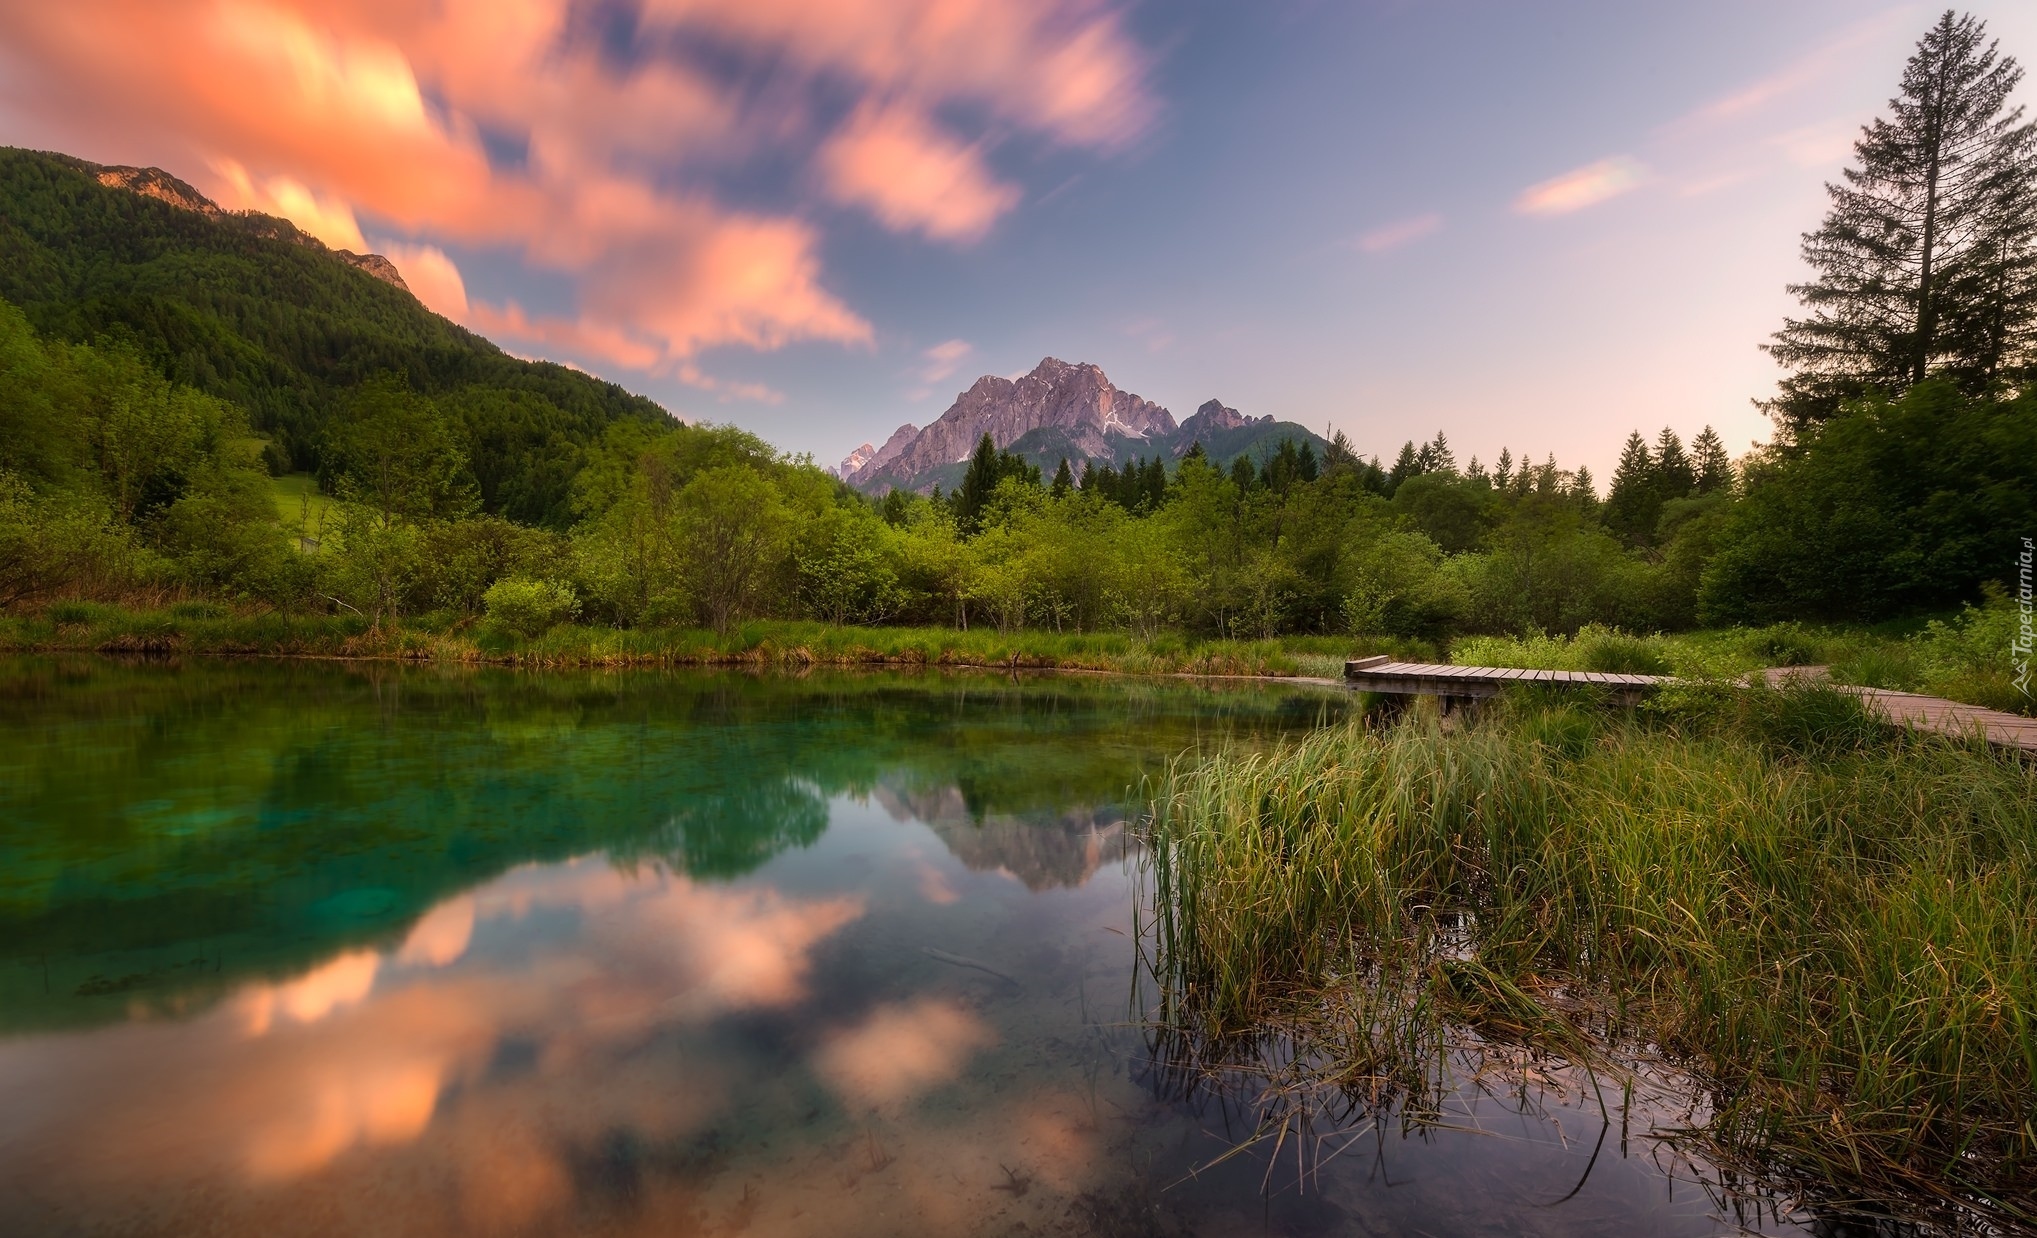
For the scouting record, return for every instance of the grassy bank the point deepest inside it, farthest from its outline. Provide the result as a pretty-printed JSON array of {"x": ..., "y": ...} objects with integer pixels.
[
  {"x": 1961, "y": 657},
  {"x": 208, "y": 629},
  {"x": 1826, "y": 921}
]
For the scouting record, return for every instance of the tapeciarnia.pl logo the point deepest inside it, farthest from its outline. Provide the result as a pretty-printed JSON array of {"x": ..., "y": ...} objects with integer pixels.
[{"x": 2019, "y": 651}]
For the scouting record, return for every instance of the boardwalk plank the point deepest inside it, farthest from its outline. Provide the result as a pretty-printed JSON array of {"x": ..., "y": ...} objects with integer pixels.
[{"x": 1928, "y": 713}]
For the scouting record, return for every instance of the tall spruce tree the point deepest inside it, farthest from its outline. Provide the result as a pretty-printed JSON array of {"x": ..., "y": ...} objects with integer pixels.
[
  {"x": 1152, "y": 490},
  {"x": 1632, "y": 504},
  {"x": 1409, "y": 464},
  {"x": 1708, "y": 457},
  {"x": 1064, "y": 480},
  {"x": 1441, "y": 458},
  {"x": 1926, "y": 263},
  {"x": 977, "y": 483},
  {"x": 1675, "y": 478}
]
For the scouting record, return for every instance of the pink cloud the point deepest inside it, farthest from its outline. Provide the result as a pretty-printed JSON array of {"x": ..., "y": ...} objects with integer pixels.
[
  {"x": 1392, "y": 236},
  {"x": 1065, "y": 68},
  {"x": 607, "y": 343},
  {"x": 327, "y": 219},
  {"x": 331, "y": 112},
  {"x": 943, "y": 359},
  {"x": 901, "y": 1050},
  {"x": 911, "y": 176},
  {"x": 1582, "y": 187},
  {"x": 727, "y": 389},
  {"x": 431, "y": 276},
  {"x": 1805, "y": 71}
]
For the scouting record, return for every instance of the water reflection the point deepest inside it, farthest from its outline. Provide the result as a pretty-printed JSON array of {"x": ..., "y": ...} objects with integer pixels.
[
  {"x": 168, "y": 833},
  {"x": 301, "y": 949}
]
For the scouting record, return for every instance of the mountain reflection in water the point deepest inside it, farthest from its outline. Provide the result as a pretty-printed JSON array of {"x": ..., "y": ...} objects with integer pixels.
[{"x": 310, "y": 949}]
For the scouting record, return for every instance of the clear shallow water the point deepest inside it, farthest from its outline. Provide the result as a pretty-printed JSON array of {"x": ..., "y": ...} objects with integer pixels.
[{"x": 300, "y": 948}]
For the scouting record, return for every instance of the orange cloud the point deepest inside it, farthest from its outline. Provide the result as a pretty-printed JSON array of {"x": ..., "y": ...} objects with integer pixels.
[
  {"x": 373, "y": 1102},
  {"x": 330, "y": 111},
  {"x": 346, "y": 981},
  {"x": 442, "y": 936},
  {"x": 432, "y": 276},
  {"x": 327, "y": 219},
  {"x": 1063, "y": 67},
  {"x": 901, "y": 1050},
  {"x": 911, "y": 176},
  {"x": 1582, "y": 187},
  {"x": 285, "y": 1078}
]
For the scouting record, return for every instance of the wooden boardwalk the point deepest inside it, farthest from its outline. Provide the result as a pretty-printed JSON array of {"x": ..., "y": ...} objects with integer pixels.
[
  {"x": 1463, "y": 685},
  {"x": 1470, "y": 683},
  {"x": 1931, "y": 713}
]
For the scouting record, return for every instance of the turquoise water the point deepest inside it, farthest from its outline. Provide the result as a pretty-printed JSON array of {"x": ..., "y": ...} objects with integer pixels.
[{"x": 319, "y": 949}]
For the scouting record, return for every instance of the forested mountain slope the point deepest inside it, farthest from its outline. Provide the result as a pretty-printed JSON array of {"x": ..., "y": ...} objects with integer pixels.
[{"x": 244, "y": 307}]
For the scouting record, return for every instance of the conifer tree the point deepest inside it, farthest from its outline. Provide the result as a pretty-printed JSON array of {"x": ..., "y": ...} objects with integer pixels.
[
  {"x": 1674, "y": 477},
  {"x": 1633, "y": 501},
  {"x": 1064, "y": 480},
  {"x": 1441, "y": 458},
  {"x": 1926, "y": 263},
  {"x": 1305, "y": 463},
  {"x": 1408, "y": 465},
  {"x": 1243, "y": 475},
  {"x": 976, "y": 485},
  {"x": 1708, "y": 458},
  {"x": 1339, "y": 454},
  {"x": 1584, "y": 491},
  {"x": 1503, "y": 475},
  {"x": 1153, "y": 484}
]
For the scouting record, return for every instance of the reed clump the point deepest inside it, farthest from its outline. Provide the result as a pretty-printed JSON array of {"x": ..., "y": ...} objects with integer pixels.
[{"x": 1831, "y": 924}]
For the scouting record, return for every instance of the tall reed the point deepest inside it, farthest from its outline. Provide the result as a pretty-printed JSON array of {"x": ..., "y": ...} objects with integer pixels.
[{"x": 1832, "y": 924}]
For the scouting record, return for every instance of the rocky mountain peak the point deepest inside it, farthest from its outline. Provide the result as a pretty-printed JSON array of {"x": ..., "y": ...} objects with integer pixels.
[
  {"x": 1215, "y": 415},
  {"x": 1088, "y": 412},
  {"x": 160, "y": 185}
]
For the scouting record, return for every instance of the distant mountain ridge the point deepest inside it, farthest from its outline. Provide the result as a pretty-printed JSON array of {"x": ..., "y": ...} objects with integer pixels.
[
  {"x": 163, "y": 187},
  {"x": 1057, "y": 411},
  {"x": 249, "y": 308}
]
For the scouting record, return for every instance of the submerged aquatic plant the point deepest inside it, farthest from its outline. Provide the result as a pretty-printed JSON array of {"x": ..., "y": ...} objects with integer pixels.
[{"x": 1826, "y": 922}]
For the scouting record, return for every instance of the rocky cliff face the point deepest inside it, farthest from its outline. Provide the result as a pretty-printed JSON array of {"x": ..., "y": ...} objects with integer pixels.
[
  {"x": 374, "y": 264},
  {"x": 855, "y": 462},
  {"x": 160, "y": 185},
  {"x": 1077, "y": 400},
  {"x": 1213, "y": 416}
]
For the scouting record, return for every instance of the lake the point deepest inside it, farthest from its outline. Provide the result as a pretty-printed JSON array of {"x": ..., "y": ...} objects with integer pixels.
[{"x": 311, "y": 948}]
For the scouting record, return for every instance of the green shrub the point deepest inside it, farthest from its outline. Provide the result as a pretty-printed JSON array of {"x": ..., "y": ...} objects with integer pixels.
[
  {"x": 1787, "y": 644},
  {"x": 1613, "y": 652},
  {"x": 527, "y": 607},
  {"x": 73, "y": 613}
]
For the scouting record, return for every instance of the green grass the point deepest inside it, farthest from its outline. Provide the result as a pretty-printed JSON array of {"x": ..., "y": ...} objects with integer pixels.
[
  {"x": 299, "y": 505},
  {"x": 1828, "y": 922},
  {"x": 206, "y": 628},
  {"x": 1961, "y": 657}
]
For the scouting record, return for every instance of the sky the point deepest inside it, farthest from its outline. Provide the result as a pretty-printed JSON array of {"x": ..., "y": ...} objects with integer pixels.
[{"x": 1528, "y": 226}]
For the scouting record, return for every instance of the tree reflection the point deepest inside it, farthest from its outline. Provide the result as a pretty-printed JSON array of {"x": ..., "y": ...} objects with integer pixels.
[{"x": 167, "y": 832}]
